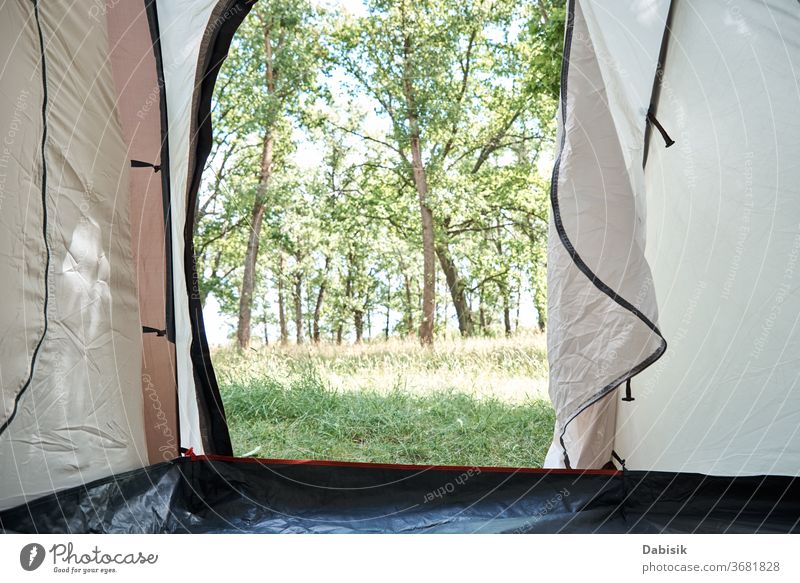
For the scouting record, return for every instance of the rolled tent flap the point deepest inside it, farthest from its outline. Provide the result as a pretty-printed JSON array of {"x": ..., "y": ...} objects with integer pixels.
[{"x": 602, "y": 311}]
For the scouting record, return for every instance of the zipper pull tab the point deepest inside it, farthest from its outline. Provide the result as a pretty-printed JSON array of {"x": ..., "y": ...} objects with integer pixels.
[
  {"x": 667, "y": 140},
  {"x": 140, "y": 164},
  {"x": 628, "y": 394}
]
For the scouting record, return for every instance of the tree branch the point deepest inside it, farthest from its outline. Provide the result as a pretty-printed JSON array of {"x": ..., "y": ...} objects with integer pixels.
[
  {"x": 371, "y": 139},
  {"x": 494, "y": 277},
  {"x": 465, "y": 70}
]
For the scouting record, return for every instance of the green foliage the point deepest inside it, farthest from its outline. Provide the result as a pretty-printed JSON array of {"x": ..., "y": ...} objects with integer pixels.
[{"x": 342, "y": 213}]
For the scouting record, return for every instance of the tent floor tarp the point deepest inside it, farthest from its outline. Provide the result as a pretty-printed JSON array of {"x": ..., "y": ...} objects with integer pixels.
[{"x": 212, "y": 494}]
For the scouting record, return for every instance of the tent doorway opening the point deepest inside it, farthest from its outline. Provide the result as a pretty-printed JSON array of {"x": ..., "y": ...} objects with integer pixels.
[{"x": 371, "y": 230}]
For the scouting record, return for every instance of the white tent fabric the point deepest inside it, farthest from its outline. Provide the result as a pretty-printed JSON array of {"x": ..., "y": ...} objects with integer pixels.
[
  {"x": 187, "y": 29},
  {"x": 182, "y": 24},
  {"x": 723, "y": 241},
  {"x": 704, "y": 241}
]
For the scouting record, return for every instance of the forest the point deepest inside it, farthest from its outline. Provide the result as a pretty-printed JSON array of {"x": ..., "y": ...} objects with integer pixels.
[{"x": 380, "y": 168}]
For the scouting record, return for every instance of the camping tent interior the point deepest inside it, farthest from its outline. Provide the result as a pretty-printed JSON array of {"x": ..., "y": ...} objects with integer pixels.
[{"x": 675, "y": 233}]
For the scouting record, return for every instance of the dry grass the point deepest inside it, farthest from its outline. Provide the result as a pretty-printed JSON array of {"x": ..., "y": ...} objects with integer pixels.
[{"x": 510, "y": 369}]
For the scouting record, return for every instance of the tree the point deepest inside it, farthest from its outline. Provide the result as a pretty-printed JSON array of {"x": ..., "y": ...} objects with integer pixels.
[
  {"x": 433, "y": 69},
  {"x": 282, "y": 45},
  {"x": 358, "y": 160}
]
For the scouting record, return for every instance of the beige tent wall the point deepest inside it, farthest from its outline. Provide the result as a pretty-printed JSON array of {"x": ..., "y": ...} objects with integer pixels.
[
  {"x": 723, "y": 240},
  {"x": 81, "y": 416},
  {"x": 139, "y": 106},
  {"x": 22, "y": 249}
]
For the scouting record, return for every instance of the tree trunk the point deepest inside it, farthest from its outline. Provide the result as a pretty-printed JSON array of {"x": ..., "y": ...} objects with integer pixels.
[
  {"x": 482, "y": 313},
  {"x": 282, "y": 303},
  {"x": 458, "y": 292},
  {"x": 541, "y": 314},
  {"x": 298, "y": 307},
  {"x": 504, "y": 289},
  {"x": 409, "y": 306},
  {"x": 540, "y": 302},
  {"x": 506, "y": 315},
  {"x": 444, "y": 305},
  {"x": 388, "y": 309},
  {"x": 256, "y": 216},
  {"x": 265, "y": 319},
  {"x": 320, "y": 298},
  {"x": 318, "y": 313},
  {"x": 348, "y": 294},
  {"x": 426, "y": 215},
  {"x": 251, "y": 253},
  {"x": 358, "y": 324}
]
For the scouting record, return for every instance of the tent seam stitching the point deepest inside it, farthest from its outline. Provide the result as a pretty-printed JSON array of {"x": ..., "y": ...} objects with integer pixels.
[{"x": 27, "y": 383}]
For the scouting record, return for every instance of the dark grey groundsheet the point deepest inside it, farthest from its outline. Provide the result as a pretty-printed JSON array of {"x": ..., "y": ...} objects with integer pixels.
[{"x": 229, "y": 495}]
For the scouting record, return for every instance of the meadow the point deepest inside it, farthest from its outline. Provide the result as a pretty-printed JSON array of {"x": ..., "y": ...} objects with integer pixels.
[{"x": 478, "y": 401}]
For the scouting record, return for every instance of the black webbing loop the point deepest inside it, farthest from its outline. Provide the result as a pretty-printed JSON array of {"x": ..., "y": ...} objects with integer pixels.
[
  {"x": 151, "y": 330},
  {"x": 620, "y": 461},
  {"x": 667, "y": 140},
  {"x": 628, "y": 394},
  {"x": 140, "y": 164}
]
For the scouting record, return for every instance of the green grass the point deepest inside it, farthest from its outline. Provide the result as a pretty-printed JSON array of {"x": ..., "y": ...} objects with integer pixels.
[{"x": 474, "y": 402}]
